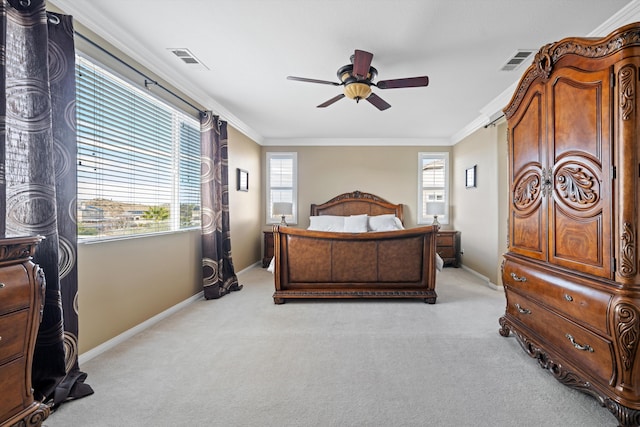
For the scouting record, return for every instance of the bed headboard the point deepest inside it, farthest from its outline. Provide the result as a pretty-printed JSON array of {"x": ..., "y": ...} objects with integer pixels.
[{"x": 356, "y": 203}]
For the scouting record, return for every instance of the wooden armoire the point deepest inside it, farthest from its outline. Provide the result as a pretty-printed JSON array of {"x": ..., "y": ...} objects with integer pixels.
[{"x": 571, "y": 273}]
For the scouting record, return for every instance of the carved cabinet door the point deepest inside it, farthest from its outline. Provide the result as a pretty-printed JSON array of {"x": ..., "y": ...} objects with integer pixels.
[
  {"x": 527, "y": 169},
  {"x": 560, "y": 143},
  {"x": 578, "y": 178}
]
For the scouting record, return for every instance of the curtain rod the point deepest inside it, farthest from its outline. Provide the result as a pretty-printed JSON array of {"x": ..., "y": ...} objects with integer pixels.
[
  {"x": 494, "y": 121},
  {"x": 148, "y": 81}
]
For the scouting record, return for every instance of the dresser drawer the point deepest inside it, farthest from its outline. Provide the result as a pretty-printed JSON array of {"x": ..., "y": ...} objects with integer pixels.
[
  {"x": 446, "y": 252},
  {"x": 583, "y": 348},
  {"x": 12, "y": 385},
  {"x": 585, "y": 304},
  {"x": 14, "y": 288},
  {"x": 448, "y": 247},
  {"x": 444, "y": 239},
  {"x": 13, "y": 329}
]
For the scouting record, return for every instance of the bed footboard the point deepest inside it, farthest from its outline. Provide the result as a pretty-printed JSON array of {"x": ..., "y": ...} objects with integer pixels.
[{"x": 389, "y": 264}]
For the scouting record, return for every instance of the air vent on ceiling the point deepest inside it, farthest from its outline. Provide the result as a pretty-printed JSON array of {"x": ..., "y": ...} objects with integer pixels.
[
  {"x": 517, "y": 59},
  {"x": 187, "y": 57}
]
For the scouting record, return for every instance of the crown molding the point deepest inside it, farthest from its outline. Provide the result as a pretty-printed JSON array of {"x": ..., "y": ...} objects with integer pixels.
[
  {"x": 128, "y": 45},
  {"x": 627, "y": 15},
  {"x": 357, "y": 142},
  {"x": 478, "y": 123}
]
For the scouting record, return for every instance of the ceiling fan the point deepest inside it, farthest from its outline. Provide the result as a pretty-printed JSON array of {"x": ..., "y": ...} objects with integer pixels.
[{"x": 357, "y": 79}]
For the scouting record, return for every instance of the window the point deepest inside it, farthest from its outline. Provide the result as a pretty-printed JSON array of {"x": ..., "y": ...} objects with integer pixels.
[
  {"x": 282, "y": 177},
  {"x": 433, "y": 187},
  {"x": 138, "y": 159}
]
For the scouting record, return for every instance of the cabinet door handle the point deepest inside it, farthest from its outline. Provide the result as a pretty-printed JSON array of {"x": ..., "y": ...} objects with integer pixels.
[
  {"x": 2, "y": 285},
  {"x": 517, "y": 278},
  {"x": 523, "y": 310},
  {"x": 585, "y": 347},
  {"x": 568, "y": 297}
]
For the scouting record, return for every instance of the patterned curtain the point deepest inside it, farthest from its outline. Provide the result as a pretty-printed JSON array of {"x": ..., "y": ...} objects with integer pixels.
[
  {"x": 218, "y": 275},
  {"x": 38, "y": 178}
]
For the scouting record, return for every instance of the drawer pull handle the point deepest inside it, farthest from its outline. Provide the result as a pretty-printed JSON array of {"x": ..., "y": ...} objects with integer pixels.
[
  {"x": 523, "y": 310},
  {"x": 2, "y": 285},
  {"x": 568, "y": 297},
  {"x": 585, "y": 347},
  {"x": 517, "y": 278}
]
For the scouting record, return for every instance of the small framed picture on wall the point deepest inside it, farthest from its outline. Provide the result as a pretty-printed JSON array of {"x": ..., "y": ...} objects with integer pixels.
[
  {"x": 243, "y": 180},
  {"x": 470, "y": 177}
]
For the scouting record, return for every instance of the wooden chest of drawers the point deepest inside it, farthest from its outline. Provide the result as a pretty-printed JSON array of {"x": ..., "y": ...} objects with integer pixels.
[
  {"x": 22, "y": 289},
  {"x": 566, "y": 322},
  {"x": 448, "y": 247}
]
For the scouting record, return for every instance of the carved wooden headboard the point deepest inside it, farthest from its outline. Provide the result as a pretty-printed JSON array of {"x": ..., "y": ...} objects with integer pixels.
[{"x": 356, "y": 203}]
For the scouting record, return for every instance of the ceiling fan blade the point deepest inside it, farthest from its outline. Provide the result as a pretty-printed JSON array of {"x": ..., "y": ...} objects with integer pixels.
[
  {"x": 378, "y": 102},
  {"x": 331, "y": 101},
  {"x": 304, "y": 79},
  {"x": 361, "y": 64},
  {"x": 400, "y": 83}
]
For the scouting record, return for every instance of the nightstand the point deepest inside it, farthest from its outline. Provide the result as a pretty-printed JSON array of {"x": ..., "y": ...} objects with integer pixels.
[
  {"x": 268, "y": 248},
  {"x": 448, "y": 247}
]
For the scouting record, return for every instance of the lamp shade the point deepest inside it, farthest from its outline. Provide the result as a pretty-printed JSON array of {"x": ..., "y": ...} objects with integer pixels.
[
  {"x": 357, "y": 90},
  {"x": 435, "y": 208},
  {"x": 282, "y": 208}
]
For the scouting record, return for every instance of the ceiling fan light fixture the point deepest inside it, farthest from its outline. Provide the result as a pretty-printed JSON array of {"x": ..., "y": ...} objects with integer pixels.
[
  {"x": 357, "y": 90},
  {"x": 357, "y": 79}
]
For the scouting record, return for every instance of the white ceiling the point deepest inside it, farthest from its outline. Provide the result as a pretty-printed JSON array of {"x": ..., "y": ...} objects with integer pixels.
[{"x": 251, "y": 46}]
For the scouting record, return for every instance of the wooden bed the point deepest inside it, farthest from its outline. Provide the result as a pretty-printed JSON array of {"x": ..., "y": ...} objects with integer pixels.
[{"x": 380, "y": 264}]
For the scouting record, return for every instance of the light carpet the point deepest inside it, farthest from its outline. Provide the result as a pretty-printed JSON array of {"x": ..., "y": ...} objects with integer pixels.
[{"x": 244, "y": 361}]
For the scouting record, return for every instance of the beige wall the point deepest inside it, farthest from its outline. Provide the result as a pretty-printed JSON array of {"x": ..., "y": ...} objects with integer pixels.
[
  {"x": 503, "y": 195},
  {"x": 325, "y": 172},
  {"x": 244, "y": 207},
  {"x": 122, "y": 283},
  {"x": 479, "y": 213}
]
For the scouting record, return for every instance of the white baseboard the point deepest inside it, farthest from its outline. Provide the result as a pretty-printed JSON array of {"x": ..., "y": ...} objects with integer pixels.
[
  {"x": 482, "y": 277},
  {"x": 244, "y": 270},
  {"x": 88, "y": 355}
]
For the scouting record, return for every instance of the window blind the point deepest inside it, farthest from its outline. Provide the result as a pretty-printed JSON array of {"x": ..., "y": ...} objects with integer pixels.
[
  {"x": 281, "y": 183},
  {"x": 433, "y": 185},
  {"x": 138, "y": 159},
  {"x": 433, "y": 172}
]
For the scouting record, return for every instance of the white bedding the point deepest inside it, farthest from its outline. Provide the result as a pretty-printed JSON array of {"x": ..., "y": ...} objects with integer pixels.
[{"x": 355, "y": 223}]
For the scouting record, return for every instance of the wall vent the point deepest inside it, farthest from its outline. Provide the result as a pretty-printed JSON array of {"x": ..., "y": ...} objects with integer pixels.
[
  {"x": 187, "y": 57},
  {"x": 515, "y": 60}
]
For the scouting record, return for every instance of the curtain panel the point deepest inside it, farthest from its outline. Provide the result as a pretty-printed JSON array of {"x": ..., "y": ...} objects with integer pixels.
[
  {"x": 218, "y": 274},
  {"x": 38, "y": 179}
]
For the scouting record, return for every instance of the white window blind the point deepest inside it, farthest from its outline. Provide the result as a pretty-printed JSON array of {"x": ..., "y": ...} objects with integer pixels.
[
  {"x": 281, "y": 184},
  {"x": 433, "y": 186},
  {"x": 138, "y": 159}
]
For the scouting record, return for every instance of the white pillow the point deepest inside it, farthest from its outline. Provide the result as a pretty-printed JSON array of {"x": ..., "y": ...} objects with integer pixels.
[
  {"x": 387, "y": 222},
  {"x": 326, "y": 223},
  {"x": 355, "y": 224},
  {"x": 399, "y": 225}
]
